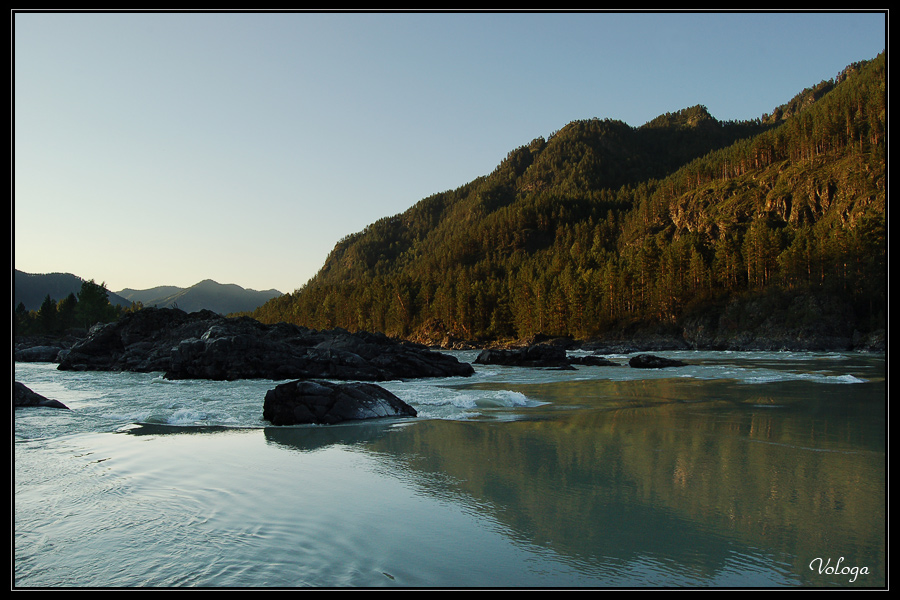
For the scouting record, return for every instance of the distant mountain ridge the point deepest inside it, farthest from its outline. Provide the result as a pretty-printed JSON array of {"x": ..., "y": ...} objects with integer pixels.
[
  {"x": 31, "y": 289},
  {"x": 207, "y": 294}
]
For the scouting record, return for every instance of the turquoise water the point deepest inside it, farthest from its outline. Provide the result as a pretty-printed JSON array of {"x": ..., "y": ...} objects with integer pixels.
[{"x": 740, "y": 470}]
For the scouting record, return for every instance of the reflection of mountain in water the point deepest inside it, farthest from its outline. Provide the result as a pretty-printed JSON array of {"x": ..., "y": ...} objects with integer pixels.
[
  {"x": 716, "y": 475},
  {"x": 807, "y": 476}
]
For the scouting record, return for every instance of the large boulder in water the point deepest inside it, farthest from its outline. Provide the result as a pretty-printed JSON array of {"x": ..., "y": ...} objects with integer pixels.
[
  {"x": 205, "y": 345},
  {"x": 326, "y": 403}
]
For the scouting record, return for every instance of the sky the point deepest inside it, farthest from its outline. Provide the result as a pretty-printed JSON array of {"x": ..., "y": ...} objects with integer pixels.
[{"x": 165, "y": 148}]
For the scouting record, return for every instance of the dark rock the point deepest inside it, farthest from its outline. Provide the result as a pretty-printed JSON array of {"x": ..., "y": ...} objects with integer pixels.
[
  {"x": 205, "y": 345},
  {"x": 540, "y": 355},
  {"x": 592, "y": 360},
  {"x": 44, "y": 348},
  {"x": 23, "y": 396},
  {"x": 326, "y": 403},
  {"x": 649, "y": 361},
  {"x": 38, "y": 354}
]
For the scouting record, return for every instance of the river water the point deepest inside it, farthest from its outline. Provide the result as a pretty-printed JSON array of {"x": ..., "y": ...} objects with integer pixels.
[{"x": 739, "y": 470}]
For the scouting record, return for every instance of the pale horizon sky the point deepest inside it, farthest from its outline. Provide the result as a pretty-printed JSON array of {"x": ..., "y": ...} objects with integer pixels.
[{"x": 167, "y": 148}]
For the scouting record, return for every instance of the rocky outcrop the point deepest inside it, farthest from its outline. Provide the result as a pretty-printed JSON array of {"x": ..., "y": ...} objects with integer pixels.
[
  {"x": 434, "y": 333},
  {"x": 205, "y": 345},
  {"x": 23, "y": 396},
  {"x": 326, "y": 403}
]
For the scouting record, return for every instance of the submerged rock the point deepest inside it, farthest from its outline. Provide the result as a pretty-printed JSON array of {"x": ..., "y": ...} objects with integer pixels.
[
  {"x": 205, "y": 345},
  {"x": 648, "y": 361},
  {"x": 326, "y": 403},
  {"x": 23, "y": 396}
]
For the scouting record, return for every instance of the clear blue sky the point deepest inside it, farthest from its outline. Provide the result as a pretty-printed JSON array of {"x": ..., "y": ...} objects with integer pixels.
[{"x": 165, "y": 148}]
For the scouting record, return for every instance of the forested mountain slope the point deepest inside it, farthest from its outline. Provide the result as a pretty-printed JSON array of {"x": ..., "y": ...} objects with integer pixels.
[{"x": 605, "y": 227}]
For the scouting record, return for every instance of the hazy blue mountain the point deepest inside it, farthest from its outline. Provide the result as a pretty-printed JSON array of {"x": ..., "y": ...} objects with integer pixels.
[
  {"x": 31, "y": 289},
  {"x": 208, "y": 294}
]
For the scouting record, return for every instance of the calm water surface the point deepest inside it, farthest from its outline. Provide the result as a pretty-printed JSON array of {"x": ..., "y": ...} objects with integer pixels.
[{"x": 740, "y": 470}]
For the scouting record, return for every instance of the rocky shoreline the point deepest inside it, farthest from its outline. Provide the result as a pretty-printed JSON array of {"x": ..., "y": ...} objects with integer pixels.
[
  {"x": 744, "y": 341},
  {"x": 201, "y": 345},
  {"x": 205, "y": 345},
  {"x": 774, "y": 321}
]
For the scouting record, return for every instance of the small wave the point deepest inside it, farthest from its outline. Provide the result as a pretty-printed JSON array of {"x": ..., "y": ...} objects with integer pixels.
[
  {"x": 186, "y": 416},
  {"x": 183, "y": 416},
  {"x": 502, "y": 399},
  {"x": 777, "y": 376},
  {"x": 472, "y": 399},
  {"x": 844, "y": 379}
]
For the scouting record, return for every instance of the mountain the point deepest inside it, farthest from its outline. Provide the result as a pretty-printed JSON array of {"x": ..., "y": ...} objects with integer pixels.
[
  {"x": 208, "y": 294},
  {"x": 30, "y": 289},
  {"x": 683, "y": 223},
  {"x": 148, "y": 296}
]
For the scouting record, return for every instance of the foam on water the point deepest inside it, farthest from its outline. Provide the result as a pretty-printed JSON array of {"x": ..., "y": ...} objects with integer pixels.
[
  {"x": 766, "y": 376},
  {"x": 444, "y": 400}
]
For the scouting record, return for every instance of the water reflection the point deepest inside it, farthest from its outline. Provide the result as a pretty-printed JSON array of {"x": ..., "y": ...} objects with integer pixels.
[
  {"x": 693, "y": 473},
  {"x": 649, "y": 482}
]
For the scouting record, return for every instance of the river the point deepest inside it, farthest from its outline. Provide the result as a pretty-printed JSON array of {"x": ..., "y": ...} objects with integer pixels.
[{"x": 740, "y": 470}]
